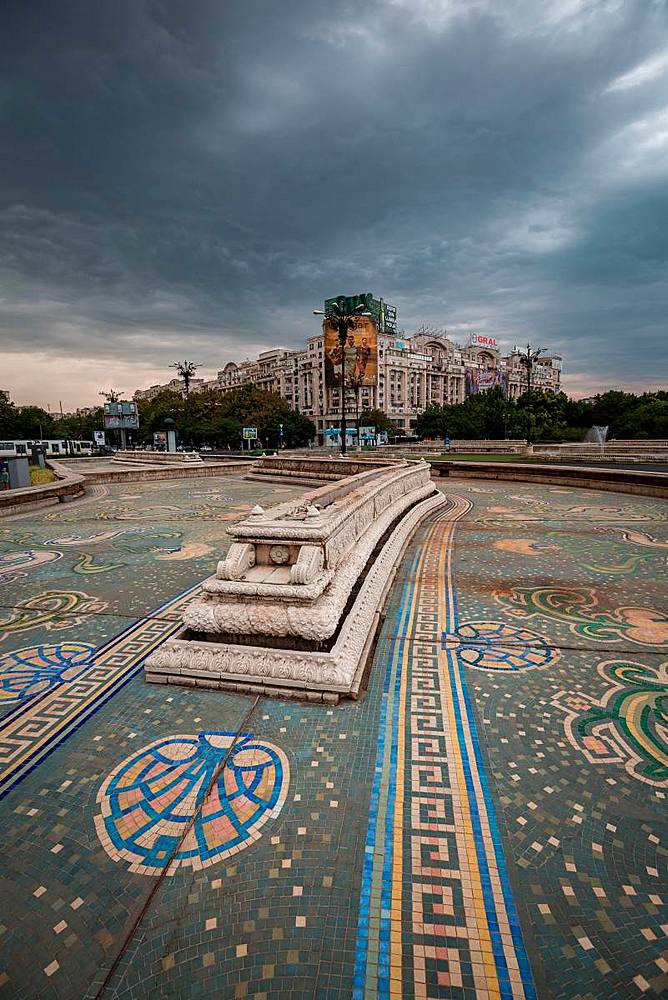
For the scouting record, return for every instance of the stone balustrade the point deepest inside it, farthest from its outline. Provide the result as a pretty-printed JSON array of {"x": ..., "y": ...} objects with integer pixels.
[
  {"x": 623, "y": 451},
  {"x": 324, "y": 468},
  {"x": 295, "y": 602},
  {"x": 67, "y": 486},
  {"x": 640, "y": 482},
  {"x": 158, "y": 457}
]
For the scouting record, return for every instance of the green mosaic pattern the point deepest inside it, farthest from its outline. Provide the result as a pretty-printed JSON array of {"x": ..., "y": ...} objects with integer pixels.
[{"x": 578, "y": 792}]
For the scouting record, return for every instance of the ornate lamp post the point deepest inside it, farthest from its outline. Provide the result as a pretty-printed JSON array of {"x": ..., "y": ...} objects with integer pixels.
[
  {"x": 528, "y": 359},
  {"x": 343, "y": 320},
  {"x": 186, "y": 370}
]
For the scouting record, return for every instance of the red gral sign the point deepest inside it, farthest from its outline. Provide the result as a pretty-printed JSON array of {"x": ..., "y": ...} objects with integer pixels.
[{"x": 478, "y": 340}]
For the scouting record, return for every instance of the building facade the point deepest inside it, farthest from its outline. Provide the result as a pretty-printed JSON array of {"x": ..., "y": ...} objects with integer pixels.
[
  {"x": 174, "y": 385},
  {"x": 414, "y": 372}
]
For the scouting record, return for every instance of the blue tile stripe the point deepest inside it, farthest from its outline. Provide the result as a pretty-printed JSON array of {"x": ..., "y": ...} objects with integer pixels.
[
  {"x": 376, "y": 909},
  {"x": 511, "y": 910},
  {"x": 388, "y": 711},
  {"x": 18, "y": 770},
  {"x": 467, "y": 718},
  {"x": 490, "y": 907}
]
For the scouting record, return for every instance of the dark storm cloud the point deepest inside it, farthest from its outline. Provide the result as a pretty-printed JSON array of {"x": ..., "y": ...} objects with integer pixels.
[{"x": 201, "y": 175}]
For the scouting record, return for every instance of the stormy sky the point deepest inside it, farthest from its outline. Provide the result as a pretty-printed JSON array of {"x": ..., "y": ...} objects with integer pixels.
[{"x": 191, "y": 179}]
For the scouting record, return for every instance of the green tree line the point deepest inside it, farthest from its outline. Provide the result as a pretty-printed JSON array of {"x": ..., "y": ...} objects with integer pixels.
[
  {"x": 217, "y": 418},
  {"x": 547, "y": 416},
  {"x": 214, "y": 418}
]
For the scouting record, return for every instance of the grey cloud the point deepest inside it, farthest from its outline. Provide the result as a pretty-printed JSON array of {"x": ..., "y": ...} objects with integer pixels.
[{"x": 203, "y": 174}]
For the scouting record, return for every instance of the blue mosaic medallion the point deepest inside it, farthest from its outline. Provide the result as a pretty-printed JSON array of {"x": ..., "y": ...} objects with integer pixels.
[
  {"x": 28, "y": 672},
  {"x": 499, "y": 646},
  {"x": 148, "y": 802}
]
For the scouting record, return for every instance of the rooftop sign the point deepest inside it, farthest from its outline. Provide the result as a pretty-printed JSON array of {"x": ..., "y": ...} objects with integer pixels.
[
  {"x": 384, "y": 314},
  {"x": 480, "y": 340}
]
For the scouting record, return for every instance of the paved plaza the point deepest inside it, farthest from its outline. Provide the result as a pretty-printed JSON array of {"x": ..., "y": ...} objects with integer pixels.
[{"x": 489, "y": 820}]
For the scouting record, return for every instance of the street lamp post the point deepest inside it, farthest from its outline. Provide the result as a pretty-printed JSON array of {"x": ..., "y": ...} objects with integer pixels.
[
  {"x": 528, "y": 360},
  {"x": 343, "y": 321}
]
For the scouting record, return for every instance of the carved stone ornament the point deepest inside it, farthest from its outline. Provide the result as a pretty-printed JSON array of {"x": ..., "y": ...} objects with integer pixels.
[
  {"x": 280, "y": 614},
  {"x": 309, "y": 563},
  {"x": 241, "y": 557},
  {"x": 308, "y": 600},
  {"x": 339, "y": 671}
]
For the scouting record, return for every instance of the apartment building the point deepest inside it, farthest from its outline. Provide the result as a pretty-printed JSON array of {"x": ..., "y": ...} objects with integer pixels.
[
  {"x": 413, "y": 373},
  {"x": 175, "y": 385}
]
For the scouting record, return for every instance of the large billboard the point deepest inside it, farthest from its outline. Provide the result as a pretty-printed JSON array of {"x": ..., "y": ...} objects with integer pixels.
[
  {"x": 360, "y": 354},
  {"x": 384, "y": 314},
  {"x": 122, "y": 415},
  {"x": 482, "y": 379}
]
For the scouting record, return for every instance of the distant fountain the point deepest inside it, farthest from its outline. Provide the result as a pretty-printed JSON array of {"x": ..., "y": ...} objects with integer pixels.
[{"x": 597, "y": 435}]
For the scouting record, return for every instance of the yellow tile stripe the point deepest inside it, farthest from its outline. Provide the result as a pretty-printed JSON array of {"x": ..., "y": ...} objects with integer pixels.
[
  {"x": 491, "y": 975},
  {"x": 497, "y": 890},
  {"x": 17, "y": 728},
  {"x": 396, "y": 959},
  {"x": 487, "y": 980}
]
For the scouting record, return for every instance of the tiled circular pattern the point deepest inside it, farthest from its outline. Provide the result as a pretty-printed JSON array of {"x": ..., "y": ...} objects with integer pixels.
[
  {"x": 32, "y": 670},
  {"x": 148, "y": 801},
  {"x": 498, "y": 646}
]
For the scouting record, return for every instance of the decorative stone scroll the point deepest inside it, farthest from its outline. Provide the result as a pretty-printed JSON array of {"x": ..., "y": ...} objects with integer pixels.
[{"x": 287, "y": 582}]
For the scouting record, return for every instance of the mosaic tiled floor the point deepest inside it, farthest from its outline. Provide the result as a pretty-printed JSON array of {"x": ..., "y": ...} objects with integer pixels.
[{"x": 489, "y": 821}]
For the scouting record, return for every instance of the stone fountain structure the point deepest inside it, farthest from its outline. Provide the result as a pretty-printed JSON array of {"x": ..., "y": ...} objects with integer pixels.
[{"x": 294, "y": 607}]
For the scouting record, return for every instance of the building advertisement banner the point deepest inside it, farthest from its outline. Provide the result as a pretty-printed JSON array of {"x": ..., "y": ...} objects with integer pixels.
[
  {"x": 482, "y": 379},
  {"x": 332, "y": 436},
  {"x": 122, "y": 415},
  {"x": 360, "y": 354},
  {"x": 383, "y": 313}
]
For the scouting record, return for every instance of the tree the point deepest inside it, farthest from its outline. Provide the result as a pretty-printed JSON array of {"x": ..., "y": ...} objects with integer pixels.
[
  {"x": 612, "y": 408},
  {"x": 8, "y": 418},
  {"x": 152, "y": 412},
  {"x": 226, "y": 432},
  {"x": 298, "y": 430},
  {"x": 217, "y": 418},
  {"x": 80, "y": 426},
  {"x": 647, "y": 419},
  {"x": 494, "y": 413},
  {"x": 377, "y": 419},
  {"x": 35, "y": 423},
  {"x": 431, "y": 423},
  {"x": 483, "y": 415}
]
